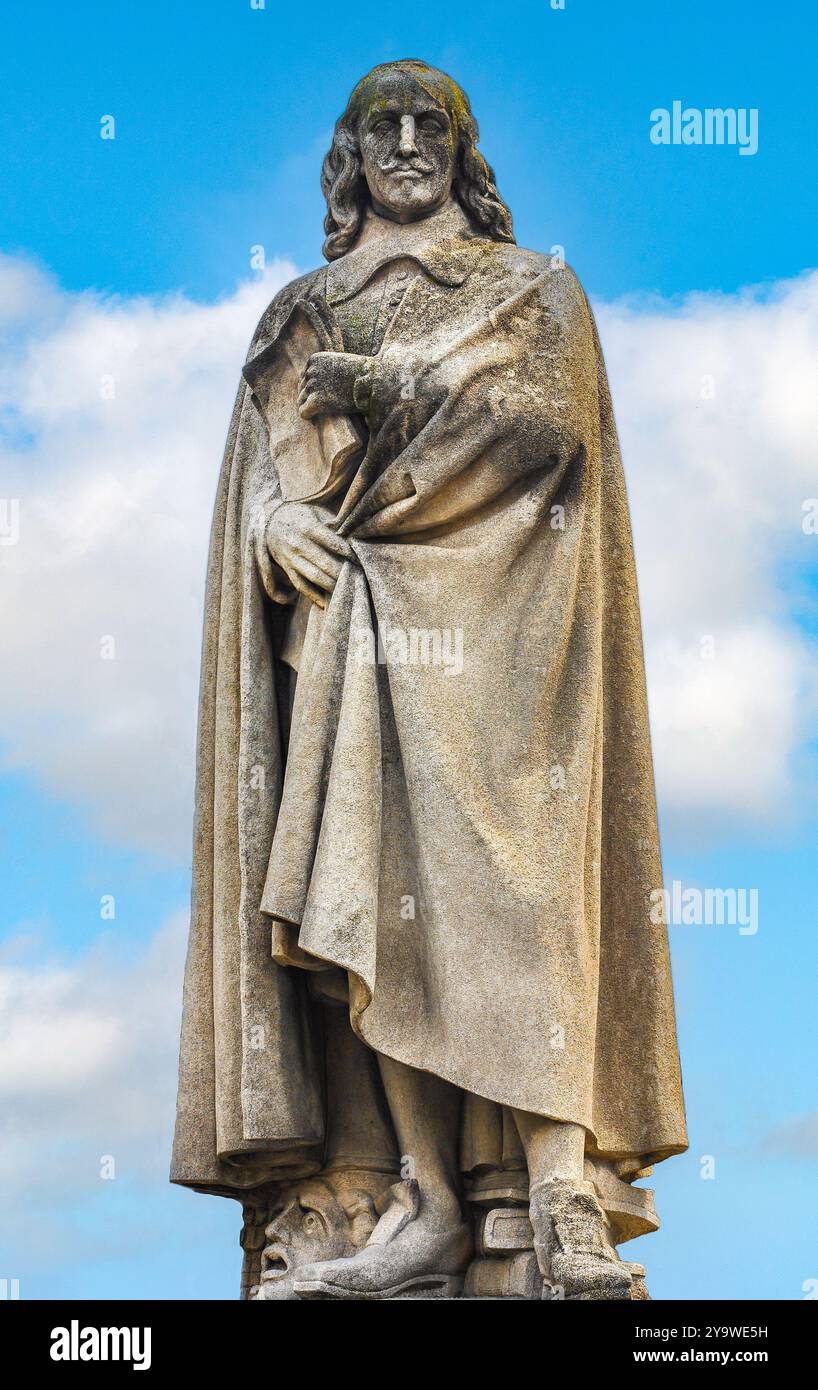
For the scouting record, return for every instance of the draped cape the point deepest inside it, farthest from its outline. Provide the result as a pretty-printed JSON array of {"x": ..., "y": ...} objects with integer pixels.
[{"x": 461, "y": 815}]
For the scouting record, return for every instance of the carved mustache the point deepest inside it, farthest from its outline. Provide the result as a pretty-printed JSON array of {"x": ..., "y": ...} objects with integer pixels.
[{"x": 406, "y": 167}]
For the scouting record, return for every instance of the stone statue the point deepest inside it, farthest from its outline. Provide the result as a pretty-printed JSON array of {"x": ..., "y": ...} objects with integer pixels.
[{"x": 429, "y": 1036}]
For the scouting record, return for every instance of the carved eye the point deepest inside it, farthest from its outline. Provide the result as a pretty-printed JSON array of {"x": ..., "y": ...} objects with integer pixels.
[{"x": 310, "y": 1223}]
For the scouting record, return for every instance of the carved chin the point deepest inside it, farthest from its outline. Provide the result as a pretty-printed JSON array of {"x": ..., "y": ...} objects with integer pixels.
[{"x": 409, "y": 188}]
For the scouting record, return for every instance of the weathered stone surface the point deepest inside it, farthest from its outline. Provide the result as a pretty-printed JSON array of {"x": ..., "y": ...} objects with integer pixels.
[
  {"x": 509, "y": 1276},
  {"x": 423, "y": 984}
]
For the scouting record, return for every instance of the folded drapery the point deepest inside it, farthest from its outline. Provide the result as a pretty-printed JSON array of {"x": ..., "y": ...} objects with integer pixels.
[
  {"x": 466, "y": 820},
  {"x": 312, "y": 459}
]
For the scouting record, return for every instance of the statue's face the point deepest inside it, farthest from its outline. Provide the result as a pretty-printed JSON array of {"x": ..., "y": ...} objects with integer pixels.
[
  {"x": 318, "y": 1220},
  {"x": 409, "y": 147}
]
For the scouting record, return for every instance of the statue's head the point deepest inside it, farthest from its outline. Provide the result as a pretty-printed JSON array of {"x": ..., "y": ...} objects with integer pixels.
[
  {"x": 322, "y": 1218},
  {"x": 407, "y": 142}
]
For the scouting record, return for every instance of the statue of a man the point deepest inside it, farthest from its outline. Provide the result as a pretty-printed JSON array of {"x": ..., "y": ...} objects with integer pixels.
[{"x": 422, "y": 969}]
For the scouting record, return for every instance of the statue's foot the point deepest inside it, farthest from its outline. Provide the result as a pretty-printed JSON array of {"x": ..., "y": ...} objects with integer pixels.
[
  {"x": 407, "y": 1254},
  {"x": 573, "y": 1243}
]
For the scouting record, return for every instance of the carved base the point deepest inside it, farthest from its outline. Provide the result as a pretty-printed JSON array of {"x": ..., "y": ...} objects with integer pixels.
[{"x": 504, "y": 1265}]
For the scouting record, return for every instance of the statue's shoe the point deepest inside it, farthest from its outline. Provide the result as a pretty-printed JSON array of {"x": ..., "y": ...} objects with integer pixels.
[
  {"x": 573, "y": 1243},
  {"x": 406, "y": 1256}
]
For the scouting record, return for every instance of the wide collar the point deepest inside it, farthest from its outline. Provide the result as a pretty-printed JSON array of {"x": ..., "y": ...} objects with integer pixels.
[{"x": 444, "y": 245}]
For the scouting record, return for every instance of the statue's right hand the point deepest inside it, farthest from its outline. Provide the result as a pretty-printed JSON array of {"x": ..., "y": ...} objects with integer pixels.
[{"x": 301, "y": 543}]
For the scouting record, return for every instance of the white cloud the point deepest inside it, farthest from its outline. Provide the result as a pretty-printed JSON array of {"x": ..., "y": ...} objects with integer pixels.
[
  {"x": 726, "y": 725},
  {"x": 718, "y": 416},
  {"x": 115, "y": 499},
  {"x": 88, "y": 1054}
]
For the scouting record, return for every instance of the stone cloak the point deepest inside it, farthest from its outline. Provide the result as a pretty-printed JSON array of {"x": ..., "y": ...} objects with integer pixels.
[{"x": 476, "y": 847}]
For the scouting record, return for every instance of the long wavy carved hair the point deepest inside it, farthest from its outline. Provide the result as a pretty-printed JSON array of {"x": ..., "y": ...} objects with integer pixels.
[{"x": 344, "y": 186}]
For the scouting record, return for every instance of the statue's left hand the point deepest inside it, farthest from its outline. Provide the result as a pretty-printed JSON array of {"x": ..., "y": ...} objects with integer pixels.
[{"x": 328, "y": 383}]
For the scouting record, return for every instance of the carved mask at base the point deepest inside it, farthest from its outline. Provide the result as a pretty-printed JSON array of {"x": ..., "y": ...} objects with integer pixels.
[{"x": 328, "y": 1217}]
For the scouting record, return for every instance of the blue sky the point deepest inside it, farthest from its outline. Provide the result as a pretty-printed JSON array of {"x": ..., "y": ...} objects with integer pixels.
[{"x": 136, "y": 253}]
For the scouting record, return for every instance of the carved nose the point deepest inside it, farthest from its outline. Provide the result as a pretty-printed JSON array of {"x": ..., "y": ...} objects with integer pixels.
[
  {"x": 281, "y": 1224},
  {"x": 407, "y": 135}
]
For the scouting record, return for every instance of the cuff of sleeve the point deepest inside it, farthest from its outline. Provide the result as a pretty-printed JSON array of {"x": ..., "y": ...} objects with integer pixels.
[{"x": 362, "y": 388}]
